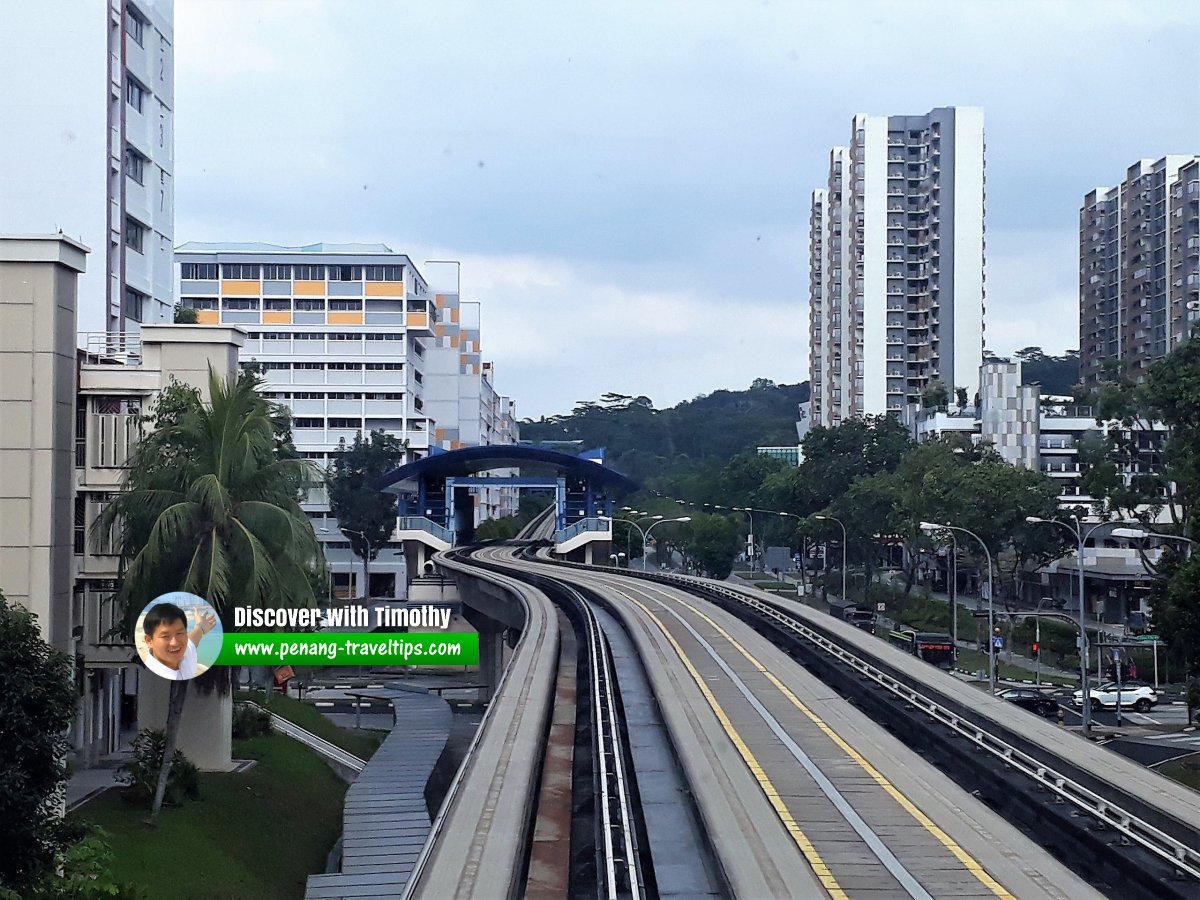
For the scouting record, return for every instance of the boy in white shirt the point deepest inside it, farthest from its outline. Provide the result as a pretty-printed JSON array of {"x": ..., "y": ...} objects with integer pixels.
[{"x": 172, "y": 650}]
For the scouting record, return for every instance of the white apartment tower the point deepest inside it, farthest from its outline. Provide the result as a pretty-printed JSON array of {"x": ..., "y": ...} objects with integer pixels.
[
  {"x": 95, "y": 156},
  {"x": 896, "y": 252}
]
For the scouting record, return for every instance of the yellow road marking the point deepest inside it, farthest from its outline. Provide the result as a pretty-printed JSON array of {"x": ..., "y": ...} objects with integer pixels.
[
  {"x": 969, "y": 862},
  {"x": 820, "y": 869}
]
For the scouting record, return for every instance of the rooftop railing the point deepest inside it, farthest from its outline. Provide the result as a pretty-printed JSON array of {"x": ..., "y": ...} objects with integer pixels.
[{"x": 112, "y": 347}]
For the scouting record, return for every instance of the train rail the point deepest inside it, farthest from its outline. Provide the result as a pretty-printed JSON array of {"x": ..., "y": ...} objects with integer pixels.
[{"x": 1125, "y": 835}]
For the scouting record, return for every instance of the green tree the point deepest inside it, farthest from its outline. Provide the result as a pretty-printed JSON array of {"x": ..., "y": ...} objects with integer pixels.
[
  {"x": 185, "y": 315},
  {"x": 210, "y": 508},
  {"x": 711, "y": 542},
  {"x": 37, "y": 699},
  {"x": 366, "y": 515},
  {"x": 834, "y": 457},
  {"x": 935, "y": 395}
]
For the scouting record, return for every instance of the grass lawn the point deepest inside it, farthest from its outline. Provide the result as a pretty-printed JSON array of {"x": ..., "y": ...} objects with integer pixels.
[
  {"x": 361, "y": 742},
  {"x": 974, "y": 661},
  {"x": 1185, "y": 770},
  {"x": 255, "y": 834}
]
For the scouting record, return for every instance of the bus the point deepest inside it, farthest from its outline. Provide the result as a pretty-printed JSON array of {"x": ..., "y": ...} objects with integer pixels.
[{"x": 937, "y": 649}]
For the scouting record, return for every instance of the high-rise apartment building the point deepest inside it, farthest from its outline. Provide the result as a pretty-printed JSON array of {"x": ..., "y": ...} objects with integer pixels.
[
  {"x": 1139, "y": 265},
  {"x": 896, "y": 255},
  {"x": 353, "y": 339},
  {"x": 94, "y": 157}
]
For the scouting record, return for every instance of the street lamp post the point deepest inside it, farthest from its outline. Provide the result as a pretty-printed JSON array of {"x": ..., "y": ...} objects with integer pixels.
[
  {"x": 750, "y": 514},
  {"x": 929, "y": 528},
  {"x": 1084, "y": 653},
  {"x": 845, "y": 540},
  {"x": 646, "y": 533},
  {"x": 366, "y": 557}
]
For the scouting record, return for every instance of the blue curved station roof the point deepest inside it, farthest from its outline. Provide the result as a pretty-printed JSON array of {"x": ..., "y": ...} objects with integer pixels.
[{"x": 472, "y": 460}]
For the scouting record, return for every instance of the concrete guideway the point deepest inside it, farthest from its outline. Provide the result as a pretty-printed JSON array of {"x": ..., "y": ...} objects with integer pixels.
[
  {"x": 884, "y": 820},
  {"x": 480, "y": 834}
]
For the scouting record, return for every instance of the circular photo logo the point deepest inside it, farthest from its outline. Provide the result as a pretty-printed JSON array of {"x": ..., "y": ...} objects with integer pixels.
[{"x": 178, "y": 635}]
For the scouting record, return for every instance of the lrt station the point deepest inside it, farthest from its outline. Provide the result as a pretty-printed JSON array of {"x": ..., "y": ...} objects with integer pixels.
[{"x": 436, "y": 498}]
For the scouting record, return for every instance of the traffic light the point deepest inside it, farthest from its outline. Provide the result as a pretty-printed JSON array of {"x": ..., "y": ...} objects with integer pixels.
[{"x": 1035, "y": 647}]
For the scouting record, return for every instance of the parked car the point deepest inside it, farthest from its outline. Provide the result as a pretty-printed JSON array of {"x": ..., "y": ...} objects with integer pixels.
[
  {"x": 1034, "y": 701},
  {"x": 1137, "y": 694}
]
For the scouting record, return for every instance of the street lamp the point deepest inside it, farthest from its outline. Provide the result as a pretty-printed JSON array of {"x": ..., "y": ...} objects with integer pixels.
[
  {"x": 366, "y": 557},
  {"x": 845, "y": 540},
  {"x": 930, "y": 528},
  {"x": 1140, "y": 534},
  {"x": 646, "y": 533},
  {"x": 1084, "y": 653},
  {"x": 616, "y": 559},
  {"x": 749, "y": 513}
]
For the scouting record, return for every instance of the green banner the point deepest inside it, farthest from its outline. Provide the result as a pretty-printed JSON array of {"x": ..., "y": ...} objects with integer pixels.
[{"x": 345, "y": 649}]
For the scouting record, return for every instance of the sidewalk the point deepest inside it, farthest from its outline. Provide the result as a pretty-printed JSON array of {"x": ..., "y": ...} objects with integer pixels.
[{"x": 85, "y": 784}]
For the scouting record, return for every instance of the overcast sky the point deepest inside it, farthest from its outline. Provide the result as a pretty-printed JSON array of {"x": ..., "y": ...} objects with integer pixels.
[{"x": 627, "y": 184}]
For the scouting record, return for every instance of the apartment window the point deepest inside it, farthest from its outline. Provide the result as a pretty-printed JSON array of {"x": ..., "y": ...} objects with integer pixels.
[
  {"x": 199, "y": 302},
  {"x": 345, "y": 423},
  {"x": 135, "y": 165},
  {"x": 386, "y": 396},
  {"x": 135, "y": 26},
  {"x": 385, "y": 367},
  {"x": 387, "y": 336},
  {"x": 277, "y": 273},
  {"x": 135, "y": 234},
  {"x": 275, "y": 366},
  {"x": 135, "y": 302},
  {"x": 306, "y": 395},
  {"x": 240, "y": 271},
  {"x": 274, "y": 335},
  {"x": 198, "y": 271},
  {"x": 309, "y": 273},
  {"x": 308, "y": 423},
  {"x": 309, "y": 305},
  {"x": 384, "y": 273},
  {"x": 345, "y": 273},
  {"x": 309, "y": 366},
  {"x": 345, "y": 367},
  {"x": 277, "y": 304},
  {"x": 240, "y": 303},
  {"x": 345, "y": 305},
  {"x": 344, "y": 336},
  {"x": 135, "y": 94}
]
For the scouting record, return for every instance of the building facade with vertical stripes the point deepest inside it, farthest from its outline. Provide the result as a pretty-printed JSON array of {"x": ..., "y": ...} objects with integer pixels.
[
  {"x": 95, "y": 159},
  {"x": 1139, "y": 266}
]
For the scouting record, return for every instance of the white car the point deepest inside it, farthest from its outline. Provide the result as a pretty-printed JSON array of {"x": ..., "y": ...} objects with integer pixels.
[{"x": 1136, "y": 694}]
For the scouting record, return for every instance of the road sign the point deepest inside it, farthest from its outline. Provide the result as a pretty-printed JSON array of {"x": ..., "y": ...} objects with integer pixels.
[
  {"x": 1147, "y": 638},
  {"x": 997, "y": 642},
  {"x": 881, "y": 607}
]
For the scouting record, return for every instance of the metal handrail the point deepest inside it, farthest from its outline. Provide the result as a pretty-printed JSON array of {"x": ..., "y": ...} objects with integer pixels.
[
  {"x": 589, "y": 524},
  {"x": 110, "y": 345},
  {"x": 420, "y": 523}
]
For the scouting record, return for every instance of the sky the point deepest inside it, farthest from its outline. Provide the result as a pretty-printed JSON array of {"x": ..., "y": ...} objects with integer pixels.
[{"x": 627, "y": 184}]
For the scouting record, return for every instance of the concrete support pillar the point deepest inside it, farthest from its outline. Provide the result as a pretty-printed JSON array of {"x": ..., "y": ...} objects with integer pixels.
[{"x": 206, "y": 730}]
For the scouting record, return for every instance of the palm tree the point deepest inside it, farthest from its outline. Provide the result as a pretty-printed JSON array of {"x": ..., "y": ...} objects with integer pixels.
[{"x": 211, "y": 507}]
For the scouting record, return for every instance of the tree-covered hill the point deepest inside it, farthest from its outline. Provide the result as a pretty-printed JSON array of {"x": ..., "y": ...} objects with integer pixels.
[{"x": 646, "y": 443}]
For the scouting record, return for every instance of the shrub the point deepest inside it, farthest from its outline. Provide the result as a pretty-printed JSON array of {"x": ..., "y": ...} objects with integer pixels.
[
  {"x": 250, "y": 721},
  {"x": 141, "y": 773}
]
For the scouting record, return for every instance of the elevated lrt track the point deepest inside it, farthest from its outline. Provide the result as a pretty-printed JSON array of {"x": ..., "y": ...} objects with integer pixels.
[{"x": 798, "y": 793}]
